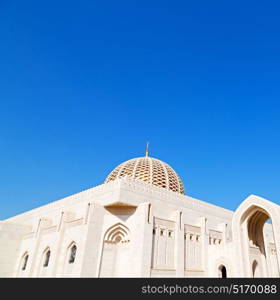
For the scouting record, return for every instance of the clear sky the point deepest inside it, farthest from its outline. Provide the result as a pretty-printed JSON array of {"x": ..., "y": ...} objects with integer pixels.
[{"x": 84, "y": 85}]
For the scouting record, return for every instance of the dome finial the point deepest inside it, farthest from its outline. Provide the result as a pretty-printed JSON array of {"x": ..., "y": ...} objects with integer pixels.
[{"x": 147, "y": 149}]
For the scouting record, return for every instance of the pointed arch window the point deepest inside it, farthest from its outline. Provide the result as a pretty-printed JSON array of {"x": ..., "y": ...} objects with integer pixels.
[
  {"x": 47, "y": 258},
  {"x": 72, "y": 254},
  {"x": 24, "y": 261}
]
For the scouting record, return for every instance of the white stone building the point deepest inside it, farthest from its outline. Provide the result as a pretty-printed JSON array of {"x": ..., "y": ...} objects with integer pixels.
[{"x": 139, "y": 223}]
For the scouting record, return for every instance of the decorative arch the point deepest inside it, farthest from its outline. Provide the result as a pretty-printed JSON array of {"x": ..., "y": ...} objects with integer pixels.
[
  {"x": 118, "y": 233},
  {"x": 247, "y": 224},
  {"x": 259, "y": 203},
  {"x": 218, "y": 267},
  {"x": 115, "y": 251}
]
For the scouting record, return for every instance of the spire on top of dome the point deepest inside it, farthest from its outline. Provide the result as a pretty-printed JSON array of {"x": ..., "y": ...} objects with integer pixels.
[{"x": 147, "y": 149}]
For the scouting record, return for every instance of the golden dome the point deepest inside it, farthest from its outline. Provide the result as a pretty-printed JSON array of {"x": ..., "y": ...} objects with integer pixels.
[{"x": 150, "y": 170}]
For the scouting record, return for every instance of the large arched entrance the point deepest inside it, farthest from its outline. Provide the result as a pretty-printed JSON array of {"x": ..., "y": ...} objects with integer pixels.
[
  {"x": 258, "y": 246},
  {"x": 256, "y": 232}
]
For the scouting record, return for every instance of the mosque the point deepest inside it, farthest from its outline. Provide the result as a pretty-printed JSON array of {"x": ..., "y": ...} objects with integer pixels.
[{"x": 140, "y": 223}]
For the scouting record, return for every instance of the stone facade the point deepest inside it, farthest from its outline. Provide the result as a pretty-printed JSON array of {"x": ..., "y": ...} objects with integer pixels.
[{"x": 129, "y": 228}]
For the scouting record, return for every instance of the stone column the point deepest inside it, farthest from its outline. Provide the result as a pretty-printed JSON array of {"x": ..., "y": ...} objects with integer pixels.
[
  {"x": 34, "y": 252},
  {"x": 245, "y": 249},
  {"x": 93, "y": 242},
  {"x": 143, "y": 250},
  {"x": 59, "y": 252},
  {"x": 204, "y": 245},
  {"x": 56, "y": 252},
  {"x": 179, "y": 245},
  {"x": 276, "y": 234},
  {"x": 267, "y": 255},
  {"x": 224, "y": 231}
]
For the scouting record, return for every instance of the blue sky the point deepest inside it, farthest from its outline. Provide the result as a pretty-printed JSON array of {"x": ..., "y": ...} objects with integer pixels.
[{"x": 84, "y": 85}]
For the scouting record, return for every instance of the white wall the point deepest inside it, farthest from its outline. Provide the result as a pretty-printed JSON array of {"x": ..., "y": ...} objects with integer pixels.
[
  {"x": 84, "y": 219},
  {"x": 10, "y": 241}
]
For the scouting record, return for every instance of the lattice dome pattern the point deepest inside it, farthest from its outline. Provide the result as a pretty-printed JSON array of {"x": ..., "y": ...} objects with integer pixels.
[{"x": 150, "y": 170}]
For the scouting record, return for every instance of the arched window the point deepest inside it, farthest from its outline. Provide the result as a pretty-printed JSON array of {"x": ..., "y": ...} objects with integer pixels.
[
  {"x": 47, "y": 258},
  {"x": 24, "y": 261},
  {"x": 72, "y": 255},
  {"x": 222, "y": 271}
]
